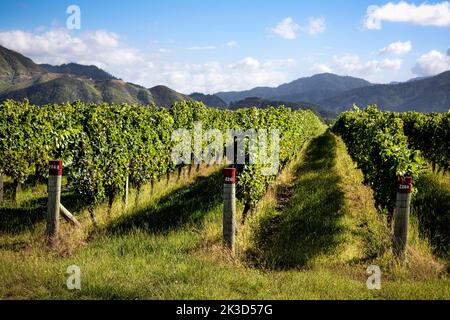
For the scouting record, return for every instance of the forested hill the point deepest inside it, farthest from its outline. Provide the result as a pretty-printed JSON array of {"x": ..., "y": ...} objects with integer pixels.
[{"x": 21, "y": 78}]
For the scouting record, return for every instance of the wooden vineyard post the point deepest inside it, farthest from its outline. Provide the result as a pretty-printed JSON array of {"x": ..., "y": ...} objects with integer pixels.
[
  {"x": 54, "y": 198},
  {"x": 1, "y": 187},
  {"x": 68, "y": 216},
  {"x": 229, "y": 208},
  {"x": 127, "y": 191},
  {"x": 401, "y": 218}
]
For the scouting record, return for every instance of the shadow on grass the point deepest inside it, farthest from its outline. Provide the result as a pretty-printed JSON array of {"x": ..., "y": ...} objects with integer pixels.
[
  {"x": 309, "y": 223},
  {"x": 188, "y": 204},
  {"x": 18, "y": 220},
  {"x": 15, "y": 220},
  {"x": 432, "y": 207},
  {"x": 30, "y": 184},
  {"x": 185, "y": 205}
]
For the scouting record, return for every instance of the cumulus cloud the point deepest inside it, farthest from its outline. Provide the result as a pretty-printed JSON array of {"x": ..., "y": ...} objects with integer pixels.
[
  {"x": 353, "y": 65},
  {"x": 425, "y": 14},
  {"x": 432, "y": 63},
  {"x": 286, "y": 29},
  {"x": 321, "y": 68},
  {"x": 107, "y": 51},
  {"x": 60, "y": 46},
  {"x": 316, "y": 26},
  {"x": 212, "y": 77},
  {"x": 248, "y": 63},
  {"x": 280, "y": 63},
  {"x": 397, "y": 48}
]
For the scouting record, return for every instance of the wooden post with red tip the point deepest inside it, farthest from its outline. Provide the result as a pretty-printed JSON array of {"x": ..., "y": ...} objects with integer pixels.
[
  {"x": 401, "y": 218},
  {"x": 54, "y": 198},
  {"x": 229, "y": 207},
  {"x": 1, "y": 187}
]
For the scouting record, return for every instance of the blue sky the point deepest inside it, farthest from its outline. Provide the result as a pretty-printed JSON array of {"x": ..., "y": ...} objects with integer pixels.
[{"x": 212, "y": 46}]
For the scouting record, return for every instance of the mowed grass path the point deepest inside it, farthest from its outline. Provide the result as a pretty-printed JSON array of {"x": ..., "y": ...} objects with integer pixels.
[{"x": 313, "y": 237}]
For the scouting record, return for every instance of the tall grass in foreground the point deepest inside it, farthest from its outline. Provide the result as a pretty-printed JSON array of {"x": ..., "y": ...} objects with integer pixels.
[{"x": 169, "y": 245}]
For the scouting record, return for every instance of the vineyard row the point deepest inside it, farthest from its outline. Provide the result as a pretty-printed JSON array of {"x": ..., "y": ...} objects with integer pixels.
[
  {"x": 389, "y": 146},
  {"x": 104, "y": 145}
]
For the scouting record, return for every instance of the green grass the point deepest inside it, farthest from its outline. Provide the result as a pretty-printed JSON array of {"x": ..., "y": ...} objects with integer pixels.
[
  {"x": 432, "y": 207},
  {"x": 313, "y": 237},
  {"x": 319, "y": 222}
]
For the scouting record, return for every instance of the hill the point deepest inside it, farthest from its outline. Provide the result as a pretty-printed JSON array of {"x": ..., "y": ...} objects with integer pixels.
[
  {"x": 210, "y": 100},
  {"x": 303, "y": 89},
  {"x": 58, "y": 90},
  {"x": 164, "y": 96},
  {"x": 67, "y": 88},
  {"x": 21, "y": 78},
  {"x": 335, "y": 93},
  {"x": 17, "y": 70},
  {"x": 264, "y": 103},
  {"x": 76, "y": 69},
  {"x": 430, "y": 94}
]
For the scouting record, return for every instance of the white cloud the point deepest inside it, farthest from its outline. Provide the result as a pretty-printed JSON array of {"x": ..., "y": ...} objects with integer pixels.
[
  {"x": 286, "y": 29},
  {"x": 425, "y": 14},
  {"x": 316, "y": 26},
  {"x": 231, "y": 44},
  {"x": 432, "y": 63},
  {"x": 102, "y": 38},
  {"x": 448, "y": 51},
  {"x": 59, "y": 46},
  {"x": 280, "y": 63},
  {"x": 212, "y": 77},
  {"x": 321, "y": 68},
  {"x": 248, "y": 63},
  {"x": 352, "y": 65},
  {"x": 386, "y": 64},
  {"x": 107, "y": 50},
  {"x": 397, "y": 48}
]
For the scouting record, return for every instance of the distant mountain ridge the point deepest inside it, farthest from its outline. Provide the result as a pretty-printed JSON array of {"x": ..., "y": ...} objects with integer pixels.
[
  {"x": 76, "y": 69},
  {"x": 17, "y": 71},
  {"x": 21, "y": 78},
  {"x": 325, "y": 84},
  {"x": 328, "y": 94},
  {"x": 431, "y": 94},
  {"x": 209, "y": 100},
  {"x": 265, "y": 103},
  {"x": 335, "y": 93}
]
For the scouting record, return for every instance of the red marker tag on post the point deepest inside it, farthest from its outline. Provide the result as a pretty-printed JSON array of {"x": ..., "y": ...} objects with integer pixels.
[
  {"x": 405, "y": 184},
  {"x": 229, "y": 175},
  {"x": 55, "y": 168}
]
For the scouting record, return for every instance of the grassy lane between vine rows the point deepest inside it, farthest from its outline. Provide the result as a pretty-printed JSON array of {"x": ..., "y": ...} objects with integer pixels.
[
  {"x": 319, "y": 217},
  {"x": 313, "y": 236}
]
